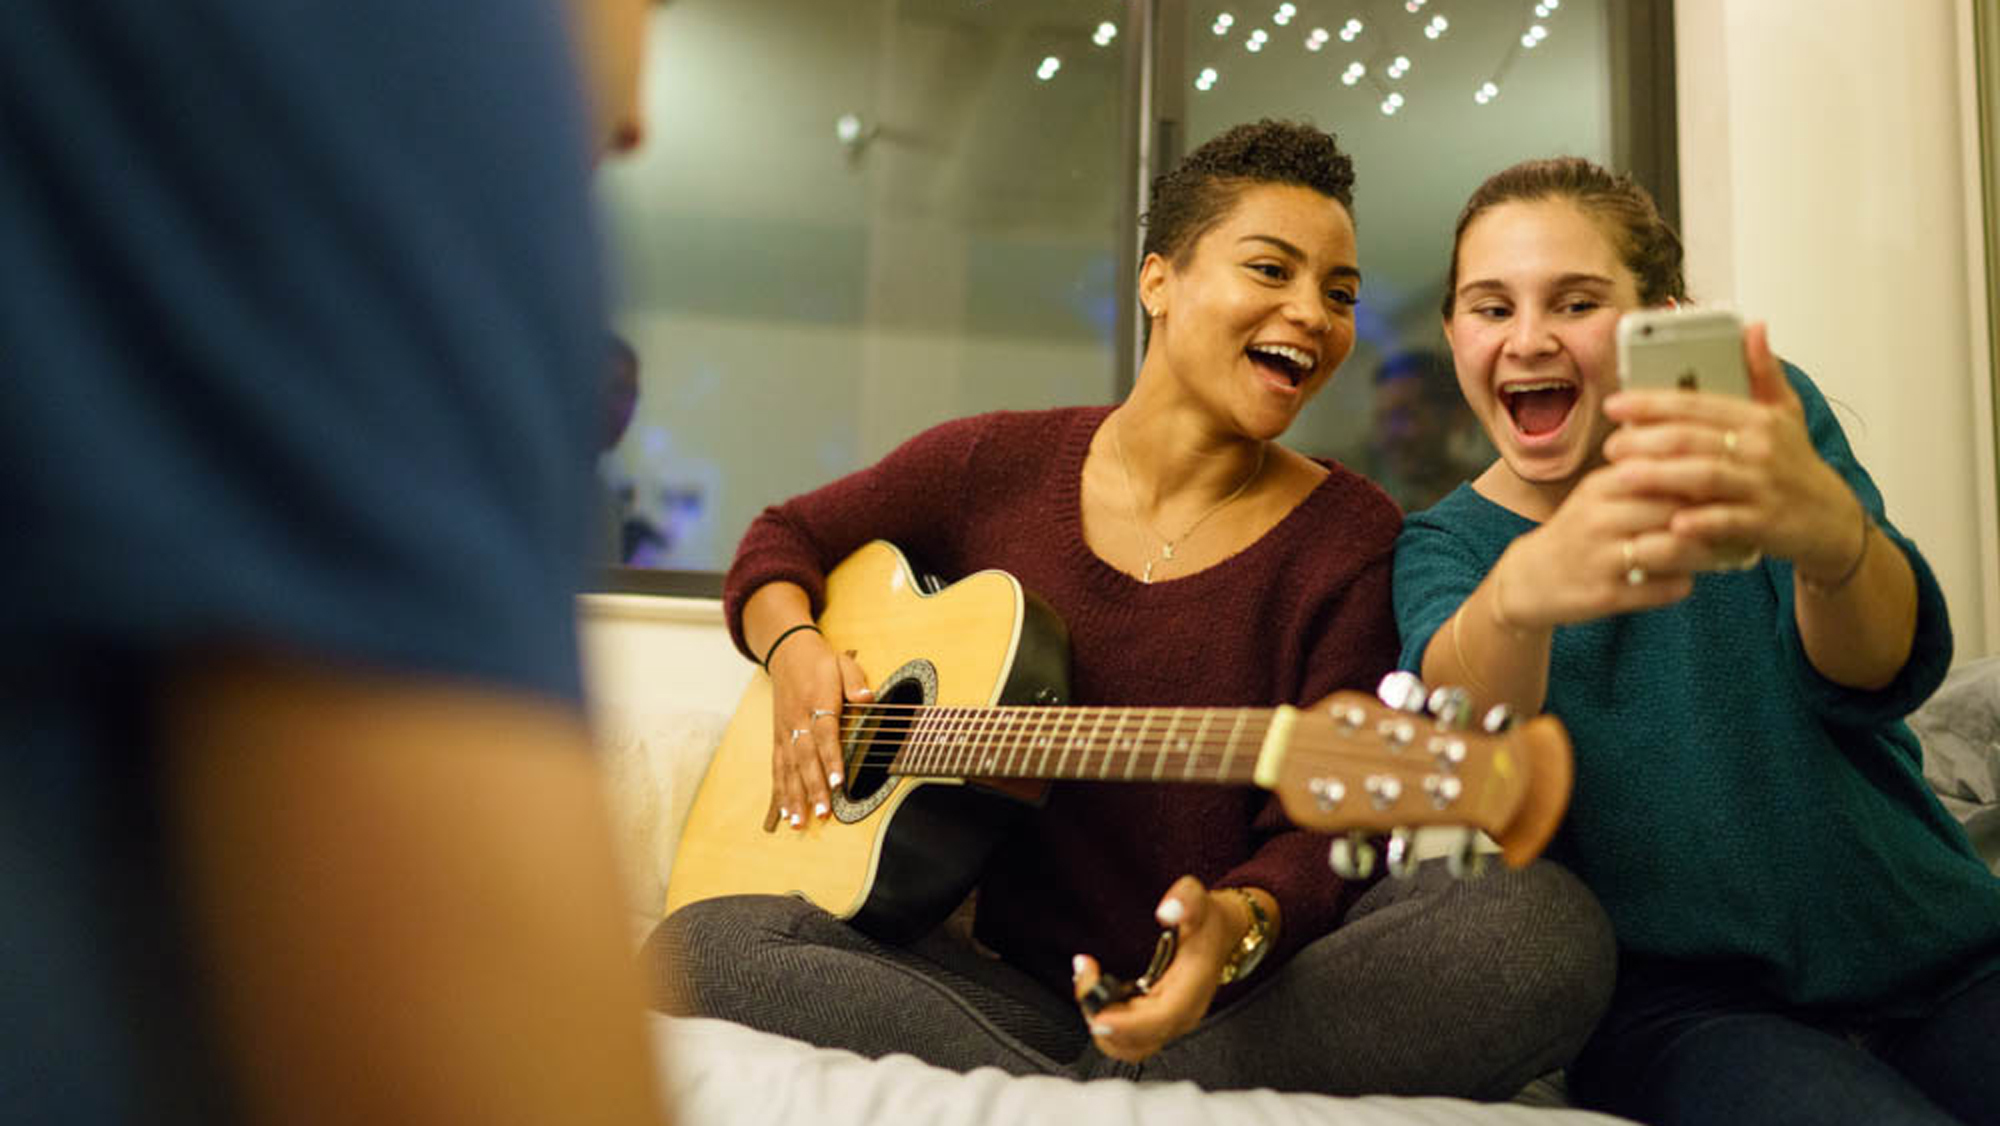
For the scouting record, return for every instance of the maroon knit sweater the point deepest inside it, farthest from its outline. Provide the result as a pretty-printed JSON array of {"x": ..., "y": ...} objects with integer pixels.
[{"x": 1298, "y": 614}]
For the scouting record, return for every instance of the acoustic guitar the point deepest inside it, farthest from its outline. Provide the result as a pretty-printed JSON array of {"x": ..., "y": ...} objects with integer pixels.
[{"x": 972, "y": 708}]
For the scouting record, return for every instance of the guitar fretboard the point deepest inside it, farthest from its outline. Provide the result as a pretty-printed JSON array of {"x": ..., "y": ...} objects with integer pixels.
[{"x": 1115, "y": 744}]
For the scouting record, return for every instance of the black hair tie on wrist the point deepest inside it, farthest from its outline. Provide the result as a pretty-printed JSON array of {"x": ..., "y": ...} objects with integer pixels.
[{"x": 773, "y": 650}]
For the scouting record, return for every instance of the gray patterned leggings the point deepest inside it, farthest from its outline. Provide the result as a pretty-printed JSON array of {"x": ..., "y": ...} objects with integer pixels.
[{"x": 1430, "y": 986}]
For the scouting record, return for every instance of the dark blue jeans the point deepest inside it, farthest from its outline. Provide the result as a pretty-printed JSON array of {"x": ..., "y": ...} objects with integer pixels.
[{"x": 1685, "y": 1044}]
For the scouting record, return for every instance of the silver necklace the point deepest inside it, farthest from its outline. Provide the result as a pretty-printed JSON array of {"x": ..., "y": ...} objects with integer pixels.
[{"x": 1132, "y": 493}]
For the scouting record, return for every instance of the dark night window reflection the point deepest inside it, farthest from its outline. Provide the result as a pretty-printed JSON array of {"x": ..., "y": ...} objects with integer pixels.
[
  {"x": 1430, "y": 98},
  {"x": 851, "y": 221},
  {"x": 854, "y": 220}
]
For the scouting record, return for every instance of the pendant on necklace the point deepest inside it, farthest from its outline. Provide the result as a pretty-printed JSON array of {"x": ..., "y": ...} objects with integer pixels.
[
  {"x": 1146, "y": 576},
  {"x": 1167, "y": 551}
]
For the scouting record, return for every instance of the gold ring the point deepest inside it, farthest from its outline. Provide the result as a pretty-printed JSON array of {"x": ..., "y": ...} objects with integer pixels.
[
  {"x": 1634, "y": 574},
  {"x": 800, "y": 733},
  {"x": 1729, "y": 443}
]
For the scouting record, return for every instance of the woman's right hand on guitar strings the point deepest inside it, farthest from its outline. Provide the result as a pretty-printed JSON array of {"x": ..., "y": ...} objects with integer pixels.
[{"x": 809, "y": 681}]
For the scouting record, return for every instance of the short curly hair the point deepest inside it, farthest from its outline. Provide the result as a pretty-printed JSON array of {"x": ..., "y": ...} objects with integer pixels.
[
  {"x": 1198, "y": 191},
  {"x": 1647, "y": 244}
]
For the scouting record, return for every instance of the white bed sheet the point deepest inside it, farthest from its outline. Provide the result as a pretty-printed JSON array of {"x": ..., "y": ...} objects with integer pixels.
[{"x": 723, "y": 1074}]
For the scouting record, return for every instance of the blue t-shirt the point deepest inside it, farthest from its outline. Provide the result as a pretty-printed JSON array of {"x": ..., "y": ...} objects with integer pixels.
[
  {"x": 1731, "y": 804},
  {"x": 300, "y": 334}
]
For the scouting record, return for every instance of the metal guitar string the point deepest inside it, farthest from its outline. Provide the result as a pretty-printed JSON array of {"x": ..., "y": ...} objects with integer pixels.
[{"x": 894, "y": 725}]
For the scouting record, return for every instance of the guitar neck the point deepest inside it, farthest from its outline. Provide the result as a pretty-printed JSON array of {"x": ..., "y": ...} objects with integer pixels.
[{"x": 1138, "y": 744}]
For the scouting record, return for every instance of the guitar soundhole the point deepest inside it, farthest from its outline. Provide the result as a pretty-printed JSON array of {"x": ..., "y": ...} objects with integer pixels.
[{"x": 883, "y": 730}]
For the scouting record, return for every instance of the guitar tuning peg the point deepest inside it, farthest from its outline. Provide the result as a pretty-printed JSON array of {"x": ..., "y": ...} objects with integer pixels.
[
  {"x": 1352, "y": 857},
  {"x": 1349, "y": 717},
  {"x": 1499, "y": 718},
  {"x": 1402, "y": 690},
  {"x": 1452, "y": 707},
  {"x": 1466, "y": 857},
  {"x": 1327, "y": 793},
  {"x": 1402, "y": 853}
]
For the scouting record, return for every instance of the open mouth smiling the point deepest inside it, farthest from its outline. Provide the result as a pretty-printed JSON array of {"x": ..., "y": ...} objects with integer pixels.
[
  {"x": 1291, "y": 364},
  {"x": 1539, "y": 407}
]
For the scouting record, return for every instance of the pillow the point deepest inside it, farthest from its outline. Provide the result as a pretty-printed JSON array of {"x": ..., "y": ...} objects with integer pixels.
[
  {"x": 1959, "y": 727},
  {"x": 653, "y": 763}
]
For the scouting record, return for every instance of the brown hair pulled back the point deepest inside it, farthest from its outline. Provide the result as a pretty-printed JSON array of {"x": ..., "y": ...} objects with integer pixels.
[{"x": 1646, "y": 244}]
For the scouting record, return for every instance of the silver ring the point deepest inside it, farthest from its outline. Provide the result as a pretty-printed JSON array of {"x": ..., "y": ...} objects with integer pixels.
[
  {"x": 824, "y": 713},
  {"x": 1634, "y": 574},
  {"x": 1729, "y": 443},
  {"x": 800, "y": 733}
]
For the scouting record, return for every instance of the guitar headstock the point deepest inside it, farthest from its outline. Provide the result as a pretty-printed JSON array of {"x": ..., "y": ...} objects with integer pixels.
[{"x": 1414, "y": 758}]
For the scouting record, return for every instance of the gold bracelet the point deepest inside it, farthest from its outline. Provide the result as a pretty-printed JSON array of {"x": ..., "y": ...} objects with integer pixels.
[
  {"x": 1458, "y": 648},
  {"x": 1499, "y": 619},
  {"x": 1827, "y": 590}
]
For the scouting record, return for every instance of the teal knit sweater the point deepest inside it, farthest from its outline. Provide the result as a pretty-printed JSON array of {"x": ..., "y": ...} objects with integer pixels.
[{"x": 1731, "y": 804}]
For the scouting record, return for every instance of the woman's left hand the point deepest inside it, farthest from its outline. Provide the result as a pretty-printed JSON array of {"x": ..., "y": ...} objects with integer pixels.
[
  {"x": 1208, "y": 926},
  {"x": 1745, "y": 469}
]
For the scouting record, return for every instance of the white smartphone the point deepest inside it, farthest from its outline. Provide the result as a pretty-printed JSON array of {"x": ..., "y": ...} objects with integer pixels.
[{"x": 1687, "y": 349}]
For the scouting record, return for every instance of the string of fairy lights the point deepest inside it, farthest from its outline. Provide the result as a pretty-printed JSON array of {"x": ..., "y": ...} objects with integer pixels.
[{"x": 1369, "y": 46}]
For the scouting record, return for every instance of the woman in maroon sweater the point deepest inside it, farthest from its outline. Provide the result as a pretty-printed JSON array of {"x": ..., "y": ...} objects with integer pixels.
[{"x": 1195, "y": 561}]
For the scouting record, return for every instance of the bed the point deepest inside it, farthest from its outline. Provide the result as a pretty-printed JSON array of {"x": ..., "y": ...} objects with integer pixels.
[{"x": 661, "y": 686}]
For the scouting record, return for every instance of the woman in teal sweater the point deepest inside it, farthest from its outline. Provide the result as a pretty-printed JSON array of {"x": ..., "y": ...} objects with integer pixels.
[{"x": 1806, "y": 935}]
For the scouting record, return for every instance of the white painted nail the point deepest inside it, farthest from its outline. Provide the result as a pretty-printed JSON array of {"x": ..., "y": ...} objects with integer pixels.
[
  {"x": 833, "y": 779},
  {"x": 1170, "y": 913},
  {"x": 1077, "y": 964},
  {"x": 819, "y": 809},
  {"x": 797, "y": 820},
  {"x": 1100, "y": 1030}
]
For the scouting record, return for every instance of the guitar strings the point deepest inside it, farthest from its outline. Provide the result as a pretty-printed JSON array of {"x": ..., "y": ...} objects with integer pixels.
[
  {"x": 1201, "y": 766},
  {"x": 980, "y": 723},
  {"x": 884, "y": 732},
  {"x": 1198, "y": 768}
]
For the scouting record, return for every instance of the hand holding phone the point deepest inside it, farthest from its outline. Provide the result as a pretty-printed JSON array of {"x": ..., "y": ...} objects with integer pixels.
[
  {"x": 1683, "y": 349},
  {"x": 1688, "y": 350}
]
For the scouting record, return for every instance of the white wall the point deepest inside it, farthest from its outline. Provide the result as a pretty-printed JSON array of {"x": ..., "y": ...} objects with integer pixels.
[{"x": 1829, "y": 185}]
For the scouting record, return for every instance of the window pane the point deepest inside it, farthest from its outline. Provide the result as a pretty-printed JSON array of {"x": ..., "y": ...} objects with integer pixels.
[{"x": 804, "y": 295}]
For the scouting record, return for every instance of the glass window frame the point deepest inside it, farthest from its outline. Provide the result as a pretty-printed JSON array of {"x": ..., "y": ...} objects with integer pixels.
[{"x": 1645, "y": 142}]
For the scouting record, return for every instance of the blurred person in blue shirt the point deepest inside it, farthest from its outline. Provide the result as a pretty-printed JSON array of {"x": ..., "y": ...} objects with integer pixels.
[{"x": 299, "y": 354}]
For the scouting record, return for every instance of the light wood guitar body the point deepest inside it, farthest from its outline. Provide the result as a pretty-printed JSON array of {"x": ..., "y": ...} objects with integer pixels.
[{"x": 972, "y": 682}]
